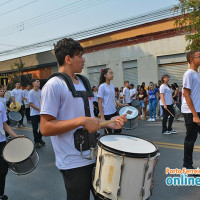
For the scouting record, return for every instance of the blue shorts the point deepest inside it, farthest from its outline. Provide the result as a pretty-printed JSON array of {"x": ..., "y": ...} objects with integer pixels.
[{"x": 142, "y": 105}]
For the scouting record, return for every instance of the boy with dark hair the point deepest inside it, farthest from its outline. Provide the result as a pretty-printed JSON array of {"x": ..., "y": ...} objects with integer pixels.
[
  {"x": 17, "y": 95},
  {"x": 191, "y": 106},
  {"x": 63, "y": 115}
]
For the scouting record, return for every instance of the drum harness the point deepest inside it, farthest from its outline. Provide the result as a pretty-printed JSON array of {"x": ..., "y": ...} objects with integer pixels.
[{"x": 83, "y": 140}]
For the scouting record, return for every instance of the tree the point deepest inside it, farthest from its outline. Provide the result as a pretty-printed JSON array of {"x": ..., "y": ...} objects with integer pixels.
[
  {"x": 189, "y": 22},
  {"x": 16, "y": 75}
]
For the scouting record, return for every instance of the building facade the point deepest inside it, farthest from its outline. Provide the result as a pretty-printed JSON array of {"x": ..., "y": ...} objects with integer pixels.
[{"x": 140, "y": 52}]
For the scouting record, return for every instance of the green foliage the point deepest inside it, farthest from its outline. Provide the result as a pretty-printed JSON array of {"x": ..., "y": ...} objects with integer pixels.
[
  {"x": 189, "y": 22},
  {"x": 15, "y": 76}
]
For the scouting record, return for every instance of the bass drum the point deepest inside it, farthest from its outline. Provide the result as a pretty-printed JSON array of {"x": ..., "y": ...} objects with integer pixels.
[
  {"x": 21, "y": 155},
  {"x": 125, "y": 168}
]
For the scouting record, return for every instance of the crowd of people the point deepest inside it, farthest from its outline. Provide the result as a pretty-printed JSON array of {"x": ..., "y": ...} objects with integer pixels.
[
  {"x": 152, "y": 98},
  {"x": 69, "y": 113}
]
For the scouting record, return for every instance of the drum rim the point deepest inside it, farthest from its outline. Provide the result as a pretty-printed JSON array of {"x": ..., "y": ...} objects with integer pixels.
[
  {"x": 22, "y": 160},
  {"x": 128, "y": 154},
  {"x": 99, "y": 195},
  {"x": 14, "y": 119},
  {"x": 133, "y": 117}
]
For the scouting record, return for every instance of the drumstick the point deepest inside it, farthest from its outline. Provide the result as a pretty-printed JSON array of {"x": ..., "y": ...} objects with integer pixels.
[
  {"x": 113, "y": 121},
  {"x": 170, "y": 112}
]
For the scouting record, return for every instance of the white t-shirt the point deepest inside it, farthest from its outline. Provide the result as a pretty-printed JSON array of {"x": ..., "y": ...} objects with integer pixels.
[
  {"x": 32, "y": 98},
  {"x": 191, "y": 80},
  {"x": 107, "y": 93},
  {"x": 164, "y": 89},
  {"x": 3, "y": 100},
  {"x": 25, "y": 95},
  {"x": 18, "y": 95},
  {"x": 132, "y": 92},
  {"x": 126, "y": 93},
  {"x": 95, "y": 98},
  {"x": 58, "y": 102},
  {"x": 3, "y": 118}
]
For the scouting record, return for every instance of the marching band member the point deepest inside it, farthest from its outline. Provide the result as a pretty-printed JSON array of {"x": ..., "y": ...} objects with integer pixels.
[
  {"x": 167, "y": 106},
  {"x": 62, "y": 115},
  {"x": 34, "y": 99},
  {"x": 3, "y": 164},
  {"x": 106, "y": 98},
  {"x": 17, "y": 95},
  {"x": 191, "y": 106}
]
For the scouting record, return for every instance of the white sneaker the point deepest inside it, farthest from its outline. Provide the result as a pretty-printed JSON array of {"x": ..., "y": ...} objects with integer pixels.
[
  {"x": 150, "y": 120},
  {"x": 153, "y": 120},
  {"x": 167, "y": 133},
  {"x": 173, "y": 132}
]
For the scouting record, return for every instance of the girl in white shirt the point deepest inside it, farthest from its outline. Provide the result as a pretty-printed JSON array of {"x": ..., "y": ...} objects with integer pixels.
[
  {"x": 167, "y": 105},
  {"x": 106, "y": 97}
]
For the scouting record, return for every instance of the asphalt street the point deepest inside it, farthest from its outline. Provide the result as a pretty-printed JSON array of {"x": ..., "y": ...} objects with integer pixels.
[{"x": 46, "y": 183}]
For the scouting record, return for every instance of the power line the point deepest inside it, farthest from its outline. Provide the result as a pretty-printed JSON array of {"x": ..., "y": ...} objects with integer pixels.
[
  {"x": 49, "y": 16},
  {"x": 18, "y": 8},
  {"x": 5, "y": 2}
]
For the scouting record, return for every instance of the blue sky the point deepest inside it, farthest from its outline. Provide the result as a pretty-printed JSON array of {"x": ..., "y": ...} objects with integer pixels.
[{"x": 17, "y": 26}]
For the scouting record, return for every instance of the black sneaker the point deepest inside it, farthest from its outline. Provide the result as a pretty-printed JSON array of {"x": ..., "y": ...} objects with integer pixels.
[
  {"x": 22, "y": 125},
  {"x": 37, "y": 145},
  {"x": 42, "y": 142},
  {"x": 4, "y": 197},
  {"x": 188, "y": 166}
]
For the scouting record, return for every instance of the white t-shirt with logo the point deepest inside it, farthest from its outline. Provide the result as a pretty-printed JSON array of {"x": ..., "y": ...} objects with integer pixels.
[
  {"x": 18, "y": 94},
  {"x": 32, "y": 98},
  {"x": 58, "y": 102},
  {"x": 126, "y": 93},
  {"x": 191, "y": 80},
  {"x": 132, "y": 92},
  {"x": 107, "y": 93},
  {"x": 164, "y": 89},
  {"x": 3, "y": 118},
  {"x": 25, "y": 95}
]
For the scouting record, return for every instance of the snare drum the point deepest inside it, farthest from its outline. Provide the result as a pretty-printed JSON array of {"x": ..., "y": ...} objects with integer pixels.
[
  {"x": 14, "y": 118},
  {"x": 135, "y": 103},
  {"x": 133, "y": 118},
  {"x": 177, "y": 111},
  {"x": 21, "y": 155},
  {"x": 125, "y": 167}
]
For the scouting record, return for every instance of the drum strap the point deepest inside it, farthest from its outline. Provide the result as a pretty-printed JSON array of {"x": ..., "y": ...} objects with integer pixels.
[{"x": 82, "y": 139}]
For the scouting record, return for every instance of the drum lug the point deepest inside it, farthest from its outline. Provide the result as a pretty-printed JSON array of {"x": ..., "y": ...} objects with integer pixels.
[
  {"x": 106, "y": 192},
  {"x": 118, "y": 191},
  {"x": 142, "y": 192},
  {"x": 152, "y": 186}
]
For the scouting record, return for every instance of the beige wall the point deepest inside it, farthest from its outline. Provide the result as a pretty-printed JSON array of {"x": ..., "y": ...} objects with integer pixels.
[{"x": 145, "y": 54}]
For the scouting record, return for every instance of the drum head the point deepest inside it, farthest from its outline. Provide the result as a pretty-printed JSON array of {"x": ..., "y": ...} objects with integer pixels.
[
  {"x": 128, "y": 145},
  {"x": 15, "y": 116},
  {"x": 125, "y": 109},
  {"x": 135, "y": 103},
  {"x": 18, "y": 149}
]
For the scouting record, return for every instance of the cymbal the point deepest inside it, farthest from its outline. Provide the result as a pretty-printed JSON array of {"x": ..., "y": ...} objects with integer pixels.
[{"x": 18, "y": 106}]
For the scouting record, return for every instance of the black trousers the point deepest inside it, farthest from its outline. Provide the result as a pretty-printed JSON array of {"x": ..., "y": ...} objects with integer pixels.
[
  {"x": 35, "y": 120},
  {"x": 192, "y": 130},
  {"x": 27, "y": 113},
  {"x": 109, "y": 130},
  {"x": 166, "y": 114},
  {"x": 96, "y": 109},
  {"x": 78, "y": 182},
  {"x": 21, "y": 111},
  {"x": 3, "y": 170}
]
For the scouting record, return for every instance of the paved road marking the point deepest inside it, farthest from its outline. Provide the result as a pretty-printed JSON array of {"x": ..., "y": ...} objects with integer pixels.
[{"x": 174, "y": 146}]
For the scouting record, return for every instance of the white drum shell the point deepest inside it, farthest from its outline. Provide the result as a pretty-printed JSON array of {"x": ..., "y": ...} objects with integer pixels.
[{"x": 132, "y": 176}]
